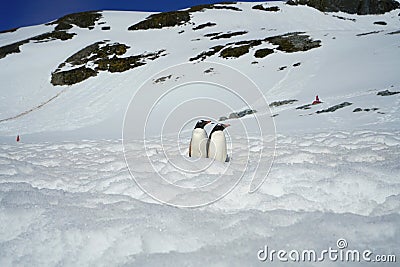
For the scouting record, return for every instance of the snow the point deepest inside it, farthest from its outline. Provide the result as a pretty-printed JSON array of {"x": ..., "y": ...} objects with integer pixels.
[
  {"x": 376, "y": 53},
  {"x": 69, "y": 196},
  {"x": 343, "y": 184}
]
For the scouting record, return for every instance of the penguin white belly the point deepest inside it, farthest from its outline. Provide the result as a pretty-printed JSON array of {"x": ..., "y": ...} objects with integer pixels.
[
  {"x": 217, "y": 147},
  {"x": 199, "y": 143}
]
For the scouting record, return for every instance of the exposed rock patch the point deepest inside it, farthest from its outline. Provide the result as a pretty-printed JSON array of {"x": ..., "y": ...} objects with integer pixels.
[
  {"x": 343, "y": 18},
  {"x": 368, "y": 33},
  {"x": 236, "y": 115},
  {"x": 203, "y": 55},
  {"x": 82, "y": 20},
  {"x": 365, "y": 109},
  {"x": 238, "y": 49},
  {"x": 73, "y": 76},
  {"x": 228, "y": 35},
  {"x": 395, "y": 32},
  {"x": 223, "y": 5},
  {"x": 162, "y": 79},
  {"x": 45, "y": 37},
  {"x": 208, "y": 71},
  {"x": 11, "y": 48},
  {"x": 54, "y": 35},
  {"x": 360, "y": 7},
  {"x": 235, "y": 52},
  {"x": 305, "y": 107},
  {"x": 9, "y": 30},
  {"x": 212, "y": 34},
  {"x": 96, "y": 51},
  {"x": 176, "y": 18},
  {"x": 334, "y": 108},
  {"x": 290, "y": 42},
  {"x": 387, "y": 93},
  {"x": 281, "y": 103},
  {"x": 100, "y": 56},
  {"x": 205, "y": 25},
  {"x": 162, "y": 20},
  {"x": 261, "y": 53},
  {"x": 270, "y": 9},
  {"x": 294, "y": 42}
]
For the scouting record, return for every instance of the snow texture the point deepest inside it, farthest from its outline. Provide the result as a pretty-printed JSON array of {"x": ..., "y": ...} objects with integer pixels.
[{"x": 68, "y": 199}]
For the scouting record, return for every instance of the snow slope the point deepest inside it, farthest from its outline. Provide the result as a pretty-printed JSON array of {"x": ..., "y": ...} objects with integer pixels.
[
  {"x": 346, "y": 67},
  {"x": 67, "y": 197}
]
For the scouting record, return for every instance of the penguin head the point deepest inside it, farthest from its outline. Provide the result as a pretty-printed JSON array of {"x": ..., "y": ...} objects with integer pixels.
[
  {"x": 201, "y": 123},
  {"x": 219, "y": 127}
]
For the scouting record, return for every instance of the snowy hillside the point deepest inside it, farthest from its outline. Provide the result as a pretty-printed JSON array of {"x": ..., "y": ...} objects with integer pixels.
[
  {"x": 68, "y": 198},
  {"x": 348, "y": 66}
]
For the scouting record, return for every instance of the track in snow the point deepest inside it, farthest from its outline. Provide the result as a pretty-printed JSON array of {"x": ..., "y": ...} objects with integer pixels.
[{"x": 34, "y": 108}]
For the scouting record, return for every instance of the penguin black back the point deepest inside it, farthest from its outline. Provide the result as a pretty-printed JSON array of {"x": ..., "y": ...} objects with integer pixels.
[{"x": 218, "y": 127}]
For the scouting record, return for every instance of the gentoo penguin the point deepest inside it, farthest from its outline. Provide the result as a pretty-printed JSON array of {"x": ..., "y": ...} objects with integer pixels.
[
  {"x": 217, "y": 143},
  {"x": 198, "y": 143}
]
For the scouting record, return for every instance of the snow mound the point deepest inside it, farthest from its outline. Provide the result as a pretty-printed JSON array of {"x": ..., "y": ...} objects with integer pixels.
[{"x": 75, "y": 203}]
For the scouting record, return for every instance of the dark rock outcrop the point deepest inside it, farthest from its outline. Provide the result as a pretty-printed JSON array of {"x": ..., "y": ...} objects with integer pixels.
[
  {"x": 228, "y": 35},
  {"x": 235, "y": 52},
  {"x": 45, "y": 37},
  {"x": 203, "y": 55},
  {"x": 202, "y": 26},
  {"x": 383, "y": 23},
  {"x": 73, "y": 76},
  {"x": 294, "y": 42},
  {"x": 289, "y": 43},
  {"x": 236, "y": 115},
  {"x": 283, "y": 102},
  {"x": 82, "y": 20},
  {"x": 360, "y": 7},
  {"x": 365, "y": 109},
  {"x": 11, "y": 48},
  {"x": 261, "y": 53},
  {"x": 270, "y": 9},
  {"x": 161, "y": 20},
  {"x": 387, "y": 93},
  {"x": 176, "y": 18},
  {"x": 222, "y": 5},
  {"x": 9, "y": 30},
  {"x": 100, "y": 56},
  {"x": 334, "y": 108}
]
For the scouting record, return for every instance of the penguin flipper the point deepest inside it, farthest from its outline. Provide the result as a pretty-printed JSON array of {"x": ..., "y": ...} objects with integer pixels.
[
  {"x": 190, "y": 148},
  {"x": 207, "y": 146}
]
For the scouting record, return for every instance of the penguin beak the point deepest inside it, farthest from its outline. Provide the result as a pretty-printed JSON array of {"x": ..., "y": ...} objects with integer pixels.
[
  {"x": 208, "y": 122},
  {"x": 226, "y": 125}
]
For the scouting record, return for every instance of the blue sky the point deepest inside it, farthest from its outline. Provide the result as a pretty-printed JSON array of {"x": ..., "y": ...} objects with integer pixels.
[{"x": 20, "y": 13}]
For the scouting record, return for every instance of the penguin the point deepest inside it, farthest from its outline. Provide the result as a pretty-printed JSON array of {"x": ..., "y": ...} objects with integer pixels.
[
  {"x": 198, "y": 143},
  {"x": 217, "y": 143}
]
